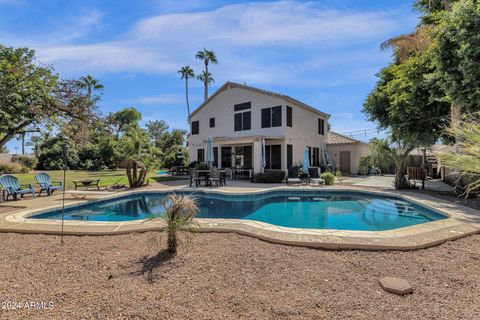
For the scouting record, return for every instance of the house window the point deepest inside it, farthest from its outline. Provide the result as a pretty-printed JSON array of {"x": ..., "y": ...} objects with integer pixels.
[
  {"x": 195, "y": 127},
  {"x": 273, "y": 157},
  {"x": 226, "y": 157},
  {"x": 200, "y": 155},
  {"x": 215, "y": 157},
  {"x": 316, "y": 157},
  {"x": 289, "y": 155},
  {"x": 289, "y": 116},
  {"x": 212, "y": 122},
  {"x": 272, "y": 117},
  {"x": 321, "y": 126},
  {"x": 242, "y": 106},
  {"x": 243, "y": 121}
]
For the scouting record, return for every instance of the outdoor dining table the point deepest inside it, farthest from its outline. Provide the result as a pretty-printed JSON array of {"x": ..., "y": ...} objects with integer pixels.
[
  {"x": 206, "y": 175},
  {"x": 87, "y": 183}
]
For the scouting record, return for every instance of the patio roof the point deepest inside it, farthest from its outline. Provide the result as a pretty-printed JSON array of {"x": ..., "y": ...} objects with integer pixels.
[{"x": 337, "y": 138}]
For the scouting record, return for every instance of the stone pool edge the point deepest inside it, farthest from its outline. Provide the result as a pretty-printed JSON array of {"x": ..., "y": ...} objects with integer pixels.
[{"x": 461, "y": 221}]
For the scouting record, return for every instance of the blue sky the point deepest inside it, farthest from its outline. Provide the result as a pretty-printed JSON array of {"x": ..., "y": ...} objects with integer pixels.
[{"x": 324, "y": 53}]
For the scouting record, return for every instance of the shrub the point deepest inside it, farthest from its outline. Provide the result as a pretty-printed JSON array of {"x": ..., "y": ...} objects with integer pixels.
[
  {"x": 338, "y": 174},
  {"x": 26, "y": 161},
  {"x": 12, "y": 168},
  {"x": 329, "y": 178},
  {"x": 269, "y": 176}
]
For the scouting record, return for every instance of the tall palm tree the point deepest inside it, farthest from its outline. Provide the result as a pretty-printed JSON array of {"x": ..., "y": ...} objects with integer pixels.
[
  {"x": 207, "y": 57},
  {"x": 187, "y": 73},
  {"x": 206, "y": 78},
  {"x": 90, "y": 84}
]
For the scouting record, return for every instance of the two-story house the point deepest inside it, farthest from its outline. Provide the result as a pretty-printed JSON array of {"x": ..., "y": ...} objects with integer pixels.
[{"x": 256, "y": 128}]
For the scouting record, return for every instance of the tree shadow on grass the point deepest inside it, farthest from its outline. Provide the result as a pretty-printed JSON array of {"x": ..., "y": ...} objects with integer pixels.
[{"x": 150, "y": 264}]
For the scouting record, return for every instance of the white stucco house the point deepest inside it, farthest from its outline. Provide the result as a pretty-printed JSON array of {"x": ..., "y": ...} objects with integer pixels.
[
  {"x": 239, "y": 119},
  {"x": 345, "y": 152}
]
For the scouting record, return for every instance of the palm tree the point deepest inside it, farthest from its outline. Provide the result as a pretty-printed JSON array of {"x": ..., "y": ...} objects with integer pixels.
[
  {"x": 90, "y": 84},
  {"x": 179, "y": 213},
  {"x": 207, "y": 57},
  {"x": 206, "y": 77},
  {"x": 187, "y": 73}
]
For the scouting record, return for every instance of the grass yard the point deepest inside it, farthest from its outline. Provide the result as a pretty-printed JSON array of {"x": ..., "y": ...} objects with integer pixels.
[{"x": 107, "y": 177}]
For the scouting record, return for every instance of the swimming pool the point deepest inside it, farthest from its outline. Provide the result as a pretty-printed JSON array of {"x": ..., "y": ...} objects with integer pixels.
[{"x": 344, "y": 210}]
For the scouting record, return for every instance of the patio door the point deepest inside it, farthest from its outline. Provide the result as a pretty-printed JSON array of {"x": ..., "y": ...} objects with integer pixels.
[{"x": 345, "y": 162}]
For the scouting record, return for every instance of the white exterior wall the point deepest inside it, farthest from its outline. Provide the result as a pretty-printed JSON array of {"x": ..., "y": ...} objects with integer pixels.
[
  {"x": 303, "y": 133},
  {"x": 357, "y": 150}
]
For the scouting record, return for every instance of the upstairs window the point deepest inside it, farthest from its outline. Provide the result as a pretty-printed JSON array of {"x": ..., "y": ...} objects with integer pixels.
[
  {"x": 321, "y": 126},
  {"x": 195, "y": 127},
  {"x": 272, "y": 117},
  {"x": 212, "y": 122},
  {"x": 289, "y": 117},
  {"x": 242, "y": 120}
]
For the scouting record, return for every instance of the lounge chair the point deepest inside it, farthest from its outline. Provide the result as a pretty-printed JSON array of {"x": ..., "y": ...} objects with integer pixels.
[
  {"x": 293, "y": 176},
  {"x": 314, "y": 174},
  {"x": 46, "y": 183},
  {"x": 12, "y": 188}
]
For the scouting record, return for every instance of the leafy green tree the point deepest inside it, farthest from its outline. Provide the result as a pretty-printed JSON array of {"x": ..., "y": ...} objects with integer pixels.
[
  {"x": 207, "y": 57},
  {"x": 90, "y": 85},
  {"x": 405, "y": 101},
  {"x": 170, "y": 144},
  {"x": 458, "y": 58},
  {"x": 206, "y": 78},
  {"x": 135, "y": 148},
  {"x": 186, "y": 73},
  {"x": 123, "y": 119},
  {"x": 156, "y": 129},
  {"x": 26, "y": 92},
  {"x": 51, "y": 154}
]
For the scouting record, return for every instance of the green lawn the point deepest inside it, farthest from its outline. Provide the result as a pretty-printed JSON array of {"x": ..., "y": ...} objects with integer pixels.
[{"x": 107, "y": 177}]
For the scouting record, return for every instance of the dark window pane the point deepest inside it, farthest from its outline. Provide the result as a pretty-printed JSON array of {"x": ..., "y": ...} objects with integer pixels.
[
  {"x": 248, "y": 157},
  {"x": 195, "y": 127},
  {"x": 289, "y": 155},
  {"x": 212, "y": 122},
  {"x": 321, "y": 126},
  {"x": 267, "y": 157},
  {"x": 276, "y": 157},
  {"x": 289, "y": 116},
  {"x": 238, "y": 122},
  {"x": 309, "y": 156},
  {"x": 242, "y": 106},
  {"x": 200, "y": 155},
  {"x": 226, "y": 157},
  {"x": 266, "y": 118},
  {"x": 277, "y": 116},
  {"x": 215, "y": 157},
  {"x": 247, "y": 120}
]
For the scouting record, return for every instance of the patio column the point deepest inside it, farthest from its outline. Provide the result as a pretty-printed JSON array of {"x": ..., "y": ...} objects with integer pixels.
[{"x": 257, "y": 156}]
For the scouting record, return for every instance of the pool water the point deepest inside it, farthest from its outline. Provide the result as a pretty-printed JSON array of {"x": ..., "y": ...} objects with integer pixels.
[{"x": 296, "y": 209}]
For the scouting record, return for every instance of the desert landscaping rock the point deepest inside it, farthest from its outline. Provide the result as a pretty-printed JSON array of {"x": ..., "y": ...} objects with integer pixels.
[
  {"x": 396, "y": 285},
  {"x": 227, "y": 276}
]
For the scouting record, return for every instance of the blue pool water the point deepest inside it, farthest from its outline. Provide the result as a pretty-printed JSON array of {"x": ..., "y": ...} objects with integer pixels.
[{"x": 297, "y": 209}]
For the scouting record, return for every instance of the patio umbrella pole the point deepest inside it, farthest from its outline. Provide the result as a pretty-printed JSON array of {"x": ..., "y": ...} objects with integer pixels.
[{"x": 64, "y": 151}]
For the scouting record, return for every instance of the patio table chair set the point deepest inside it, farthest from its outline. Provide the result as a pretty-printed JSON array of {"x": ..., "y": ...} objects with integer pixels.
[
  {"x": 209, "y": 177},
  {"x": 296, "y": 177}
]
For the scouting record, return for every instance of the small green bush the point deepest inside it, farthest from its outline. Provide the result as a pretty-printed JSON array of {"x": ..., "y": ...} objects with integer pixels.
[
  {"x": 338, "y": 174},
  {"x": 269, "y": 176},
  {"x": 26, "y": 161},
  {"x": 12, "y": 168},
  {"x": 329, "y": 178}
]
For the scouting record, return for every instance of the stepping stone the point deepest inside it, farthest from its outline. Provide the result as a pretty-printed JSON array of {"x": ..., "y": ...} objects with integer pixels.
[{"x": 396, "y": 285}]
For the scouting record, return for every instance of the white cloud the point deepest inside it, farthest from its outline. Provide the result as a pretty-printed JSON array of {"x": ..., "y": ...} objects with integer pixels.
[
  {"x": 243, "y": 36},
  {"x": 162, "y": 99}
]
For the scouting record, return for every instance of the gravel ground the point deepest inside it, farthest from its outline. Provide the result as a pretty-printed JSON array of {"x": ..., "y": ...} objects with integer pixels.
[{"x": 227, "y": 276}]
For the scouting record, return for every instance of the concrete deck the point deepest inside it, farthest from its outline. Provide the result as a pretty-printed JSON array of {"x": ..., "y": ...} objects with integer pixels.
[{"x": 461, "y": 220}]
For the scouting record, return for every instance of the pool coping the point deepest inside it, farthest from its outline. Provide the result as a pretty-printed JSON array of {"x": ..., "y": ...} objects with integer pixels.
[{"x": 461, "y": 221}]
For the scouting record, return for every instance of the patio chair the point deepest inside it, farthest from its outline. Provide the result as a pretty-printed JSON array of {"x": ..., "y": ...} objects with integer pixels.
[
  {"x": 214, "y": 177},
  {"x": 314, "y": 174},
  {"x": 194, "y": 177},
  {"x": 12, "y": 188},
  {"x": 46, "y": 183},
  {"x": 293, "y": 176}
]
